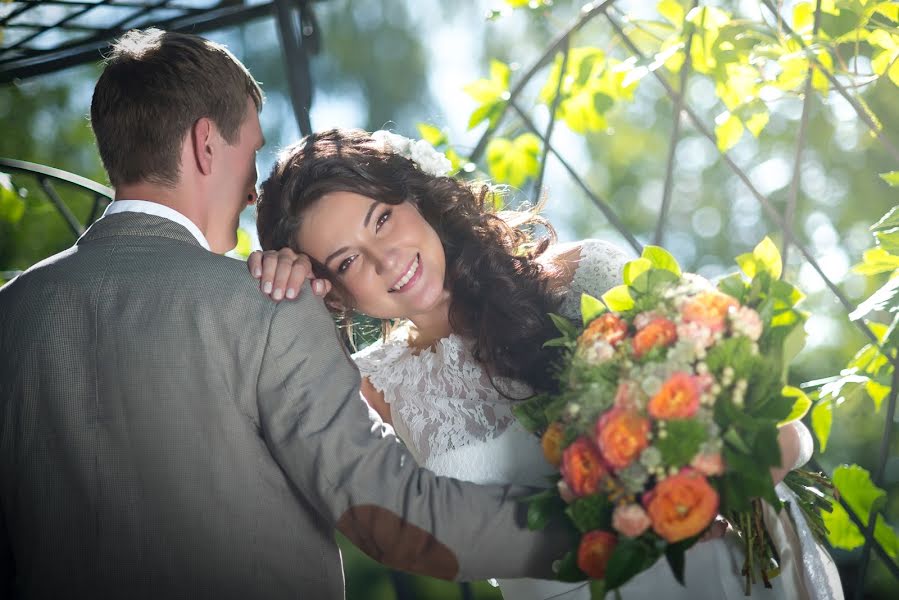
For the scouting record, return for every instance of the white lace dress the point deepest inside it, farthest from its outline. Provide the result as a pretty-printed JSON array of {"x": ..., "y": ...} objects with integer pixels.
[{"x": 456, "y": 424}]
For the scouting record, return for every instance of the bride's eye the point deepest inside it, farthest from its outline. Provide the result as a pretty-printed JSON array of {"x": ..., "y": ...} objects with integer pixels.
[
  {"x": 383, "y": 219},
  {"x": 345, "y": 264}
]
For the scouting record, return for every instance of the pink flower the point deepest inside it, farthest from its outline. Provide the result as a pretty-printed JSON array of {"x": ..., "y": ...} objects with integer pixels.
[
  {"x": 709, "y": 464},
  {"x": 626, "y": 395},
  {"x": 700, "y": 336},
  {"x": 630, "y": 520},
  {"x": 704, "y": 382},
  {"x": 748, "y": 322}
]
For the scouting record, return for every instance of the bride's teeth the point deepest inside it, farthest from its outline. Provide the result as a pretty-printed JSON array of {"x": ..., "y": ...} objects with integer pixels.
[{"x": 412, "y": 269}]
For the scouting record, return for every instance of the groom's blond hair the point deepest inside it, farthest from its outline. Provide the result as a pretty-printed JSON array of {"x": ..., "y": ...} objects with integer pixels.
[{"x": 155, "y": 86}]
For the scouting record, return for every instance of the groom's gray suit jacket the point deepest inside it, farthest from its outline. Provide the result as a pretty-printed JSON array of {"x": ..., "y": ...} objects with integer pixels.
[{"x": 166, "y": 431}]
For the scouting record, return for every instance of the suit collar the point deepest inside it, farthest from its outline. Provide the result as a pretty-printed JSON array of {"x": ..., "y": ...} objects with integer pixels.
[{"x": 132, "y": 224}]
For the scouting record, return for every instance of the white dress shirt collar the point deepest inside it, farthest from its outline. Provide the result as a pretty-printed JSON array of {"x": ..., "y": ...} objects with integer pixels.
[{"x": 159, "y": 210}]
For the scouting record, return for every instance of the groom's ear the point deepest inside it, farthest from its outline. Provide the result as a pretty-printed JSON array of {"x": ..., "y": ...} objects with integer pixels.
[{"x": 201, "y": 138}]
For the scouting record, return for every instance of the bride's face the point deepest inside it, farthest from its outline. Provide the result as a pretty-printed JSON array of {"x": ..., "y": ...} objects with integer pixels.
[{"x": 386, "y": 256}]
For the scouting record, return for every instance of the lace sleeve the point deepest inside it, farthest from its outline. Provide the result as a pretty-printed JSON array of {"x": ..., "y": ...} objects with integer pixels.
[{"x": 598, "y": 270}]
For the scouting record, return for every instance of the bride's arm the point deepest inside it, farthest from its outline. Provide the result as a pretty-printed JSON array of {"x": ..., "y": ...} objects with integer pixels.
[{"x": 376, "y": 400}]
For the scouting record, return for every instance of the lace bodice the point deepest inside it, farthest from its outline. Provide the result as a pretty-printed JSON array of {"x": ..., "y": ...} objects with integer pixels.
[{"x": 442, "y": 402}]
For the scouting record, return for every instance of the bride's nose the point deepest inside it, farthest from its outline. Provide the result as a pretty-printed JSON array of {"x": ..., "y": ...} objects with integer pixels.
[{"x": 385, "y": 260}]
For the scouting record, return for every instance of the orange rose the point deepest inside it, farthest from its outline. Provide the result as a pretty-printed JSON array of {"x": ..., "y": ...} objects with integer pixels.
[
  {"x": 609, "y": 328},
  {"x": 678, "y": 398},
  {"x": 621, "y": 435},
  {"x": 658, "y": 333},
  {"x": 594, "y": 552},
  {"x": 709, "y": 309},
  {"x": 681, "y": 506},
  {"x": 582, "y": 467},
  {"x": 552, "y": 443}
]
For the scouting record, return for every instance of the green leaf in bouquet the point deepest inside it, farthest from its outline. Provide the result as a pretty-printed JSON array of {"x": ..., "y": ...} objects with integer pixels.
[
  {"x": 734, "y": 286},
  {"x": 591, "y": 308},
  {"x": 565, "y": 327},
  {"x": 767, "y": 258},
  {"x": 734, "y": 352},
  {"x": 635, "y": 268},
  {"x": 675, "y": 554},
  {"x": 631, "y": 557},
  {"x": 801, "y": 403},
  {"x": 653, "y": 281},
  {"x": 822, "y": 420},
  {"x": 530, "y": 413},
  {"x": 568, "y": 569},
  {"x": 746, "y": 478},
  {"x": 662, "y": 259},
  {"x": 733, "y": 438},
  {"x": 543, "y": 508},
  {"x": 590, "y": 513},
  {"x": 682, "y": 442},
  {"x": 887, "y": 221},
  {"x": 618, "y": 299},
  {"x": 747, "y": 264},
  {"x": 786, "y": 292},
  {"x": 553, "y": 410},
  {"x": 883, "y": 299}
]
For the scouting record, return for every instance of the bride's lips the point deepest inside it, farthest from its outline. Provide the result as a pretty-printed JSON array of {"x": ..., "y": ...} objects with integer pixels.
[{"x": 412, "y": 280}]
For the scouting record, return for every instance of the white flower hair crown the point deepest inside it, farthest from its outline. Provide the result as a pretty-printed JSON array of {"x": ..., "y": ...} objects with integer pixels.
[{"x": 423, "y": 154}]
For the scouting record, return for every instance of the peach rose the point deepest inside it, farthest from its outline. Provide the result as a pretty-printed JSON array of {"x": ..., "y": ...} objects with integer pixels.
[
  {"x": 621, "y": 435},
  {"x": 630, "y": 520},
  {"x": 681, "y": 506},
  {"x": 609, "y": 328},
  {"x": 594, "y": 552},
  {"x": 659, "y": 333},
  {"x": 678, "y": 398},
  {"x": 710, "y": 464},
  {"x": 708, "y": 308},
  {"x": 582, "y": 467},
  {"x": 552, "y": 443}
]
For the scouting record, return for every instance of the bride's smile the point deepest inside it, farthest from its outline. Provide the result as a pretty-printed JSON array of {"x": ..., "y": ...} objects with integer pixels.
[{"x": 387, "y": 257}]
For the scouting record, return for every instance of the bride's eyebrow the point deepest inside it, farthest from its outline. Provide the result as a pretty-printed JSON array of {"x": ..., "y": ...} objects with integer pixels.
[{"x": 339, "y": 251}]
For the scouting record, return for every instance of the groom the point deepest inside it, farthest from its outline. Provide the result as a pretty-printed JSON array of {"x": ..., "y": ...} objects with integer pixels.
[{"x": 166, "y": 431}]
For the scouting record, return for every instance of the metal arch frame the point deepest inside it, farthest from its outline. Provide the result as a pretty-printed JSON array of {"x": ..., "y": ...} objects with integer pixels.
[{"x": 297, "y": 26}]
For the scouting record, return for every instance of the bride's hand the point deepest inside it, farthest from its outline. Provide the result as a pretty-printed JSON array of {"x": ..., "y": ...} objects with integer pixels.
[{"x": 281, "y": 273}]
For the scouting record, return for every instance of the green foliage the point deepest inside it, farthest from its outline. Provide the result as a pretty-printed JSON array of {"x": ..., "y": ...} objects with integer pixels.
[
  {"x": 591, "y": 308},
  {"x": 543, "y": 508},
  {"x": 630, "y": 557},
  {"x": 682, "y": 442},
  {"x": 590, "y": 513},
  {"x": 490, "y": 94},
  {"x": 866, "y": 500},
  {"x": 514, "y": 161}
]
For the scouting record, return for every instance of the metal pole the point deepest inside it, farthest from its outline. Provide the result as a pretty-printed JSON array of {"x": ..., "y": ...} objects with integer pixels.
[{"x": 298, "y": 31}]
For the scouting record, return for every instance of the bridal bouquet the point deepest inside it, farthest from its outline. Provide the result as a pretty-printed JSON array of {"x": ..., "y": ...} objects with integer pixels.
[{"x": 667, "y": 415}]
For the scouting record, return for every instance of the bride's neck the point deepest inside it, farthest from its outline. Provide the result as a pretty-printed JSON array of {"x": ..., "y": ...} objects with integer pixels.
[{"x": 431, "y": 326}]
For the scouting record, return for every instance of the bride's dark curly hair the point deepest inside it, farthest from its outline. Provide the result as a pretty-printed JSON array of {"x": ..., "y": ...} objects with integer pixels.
[{"x": 500, "y": 296}]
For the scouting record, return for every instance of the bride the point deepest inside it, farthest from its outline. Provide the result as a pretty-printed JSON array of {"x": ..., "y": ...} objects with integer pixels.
[{"x": 468, "y": 292}]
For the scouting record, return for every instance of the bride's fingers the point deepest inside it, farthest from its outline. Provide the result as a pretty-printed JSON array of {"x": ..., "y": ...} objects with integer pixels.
[
  {"x": 300, "y": 270},
  {"x": 286, "y": 263},
  {"x": 254, "y": 263},
  {"x": 717, "y": 530},
  {"x": 269, "y": 268}
]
